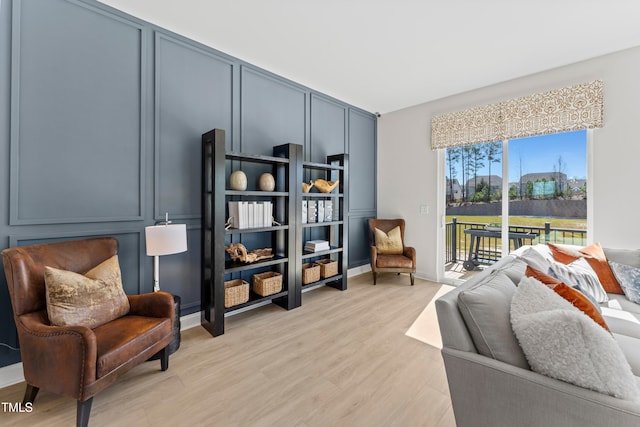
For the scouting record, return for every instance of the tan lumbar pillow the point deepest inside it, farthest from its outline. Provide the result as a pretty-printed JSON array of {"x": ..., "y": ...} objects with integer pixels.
[
  {"x": 389, "y": 243},
  {"x": 90, "y": 300}
]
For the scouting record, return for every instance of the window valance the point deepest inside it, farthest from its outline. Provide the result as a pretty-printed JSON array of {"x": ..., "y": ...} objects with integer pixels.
[{"x": 561, "y": 110}]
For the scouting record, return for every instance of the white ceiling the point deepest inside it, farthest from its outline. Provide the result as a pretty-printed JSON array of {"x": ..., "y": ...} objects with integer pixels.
[{"x": 385, "y": 55}]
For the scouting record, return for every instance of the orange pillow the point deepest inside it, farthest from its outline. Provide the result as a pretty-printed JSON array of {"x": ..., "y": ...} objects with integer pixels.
[
  {"x": 574, "y": 296},
  {"x": 564, "y": 254},
  {"x": 594, "y": 254}
]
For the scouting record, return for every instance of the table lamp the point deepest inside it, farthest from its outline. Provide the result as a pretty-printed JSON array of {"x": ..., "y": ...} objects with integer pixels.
[{"x": 164, "y": 238}]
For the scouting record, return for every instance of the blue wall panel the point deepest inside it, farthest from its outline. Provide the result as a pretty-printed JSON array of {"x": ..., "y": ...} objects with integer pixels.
[
  {"x": 193, "y": 95},
  {"x": 101, "y": 116},
  {"x": 77, "y": 125}
]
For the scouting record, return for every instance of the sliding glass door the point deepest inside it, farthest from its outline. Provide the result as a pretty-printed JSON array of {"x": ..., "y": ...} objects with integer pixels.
[{"x": 502, "y": 195}]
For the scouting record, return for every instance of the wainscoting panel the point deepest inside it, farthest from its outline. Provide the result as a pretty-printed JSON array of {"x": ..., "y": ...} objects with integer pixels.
[
  {"x": 328, "y": 129},
  {"x": 362, "y": 162},
  {"x": 359, "y": 248},
  {"x": 272, "y": 110},
  {"x": 193, "y": 95},
  {"x": 77, "y": 119}
]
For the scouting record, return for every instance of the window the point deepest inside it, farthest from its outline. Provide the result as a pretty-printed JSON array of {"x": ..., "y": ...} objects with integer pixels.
[{"x": 539, "y": 181}]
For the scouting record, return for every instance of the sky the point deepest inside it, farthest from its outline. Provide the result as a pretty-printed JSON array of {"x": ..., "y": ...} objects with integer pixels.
[{"x": 541, "y": 153}]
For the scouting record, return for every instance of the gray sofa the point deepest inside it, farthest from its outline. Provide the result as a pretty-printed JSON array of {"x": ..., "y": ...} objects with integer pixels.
[{"x": 489, "y": 379}]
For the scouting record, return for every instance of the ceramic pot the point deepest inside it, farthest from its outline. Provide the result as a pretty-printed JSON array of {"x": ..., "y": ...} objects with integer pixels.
[
  {"x": 266, "y": 182},
  {"x": 238, "y": 181}
]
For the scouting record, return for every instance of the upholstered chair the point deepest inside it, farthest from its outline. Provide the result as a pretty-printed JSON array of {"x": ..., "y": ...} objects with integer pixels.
[
  {"x": 75, "y": 360},
  {"x": 388, "y": 251}
]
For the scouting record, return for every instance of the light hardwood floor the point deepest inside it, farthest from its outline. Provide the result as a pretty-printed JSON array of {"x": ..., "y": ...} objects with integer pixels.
[{"x": 342, "y": 359}]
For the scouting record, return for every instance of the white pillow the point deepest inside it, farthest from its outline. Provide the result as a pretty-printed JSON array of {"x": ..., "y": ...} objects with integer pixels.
[
  {"x": 579, "y": 274},
  {"x": 561, "y": 342}
]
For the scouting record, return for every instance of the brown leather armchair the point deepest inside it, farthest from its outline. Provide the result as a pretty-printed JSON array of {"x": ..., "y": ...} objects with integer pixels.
[
  {"x": 76, "y": 361},
  {"x": 391, "y": 263}
]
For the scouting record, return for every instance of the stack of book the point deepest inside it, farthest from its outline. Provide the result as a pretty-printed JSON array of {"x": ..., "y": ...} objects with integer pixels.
[
  {"x": 251, "y": 214},
  {"x": 316, "y": 245}
]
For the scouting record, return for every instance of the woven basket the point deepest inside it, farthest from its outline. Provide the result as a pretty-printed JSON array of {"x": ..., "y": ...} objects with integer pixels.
[
  {"x": 310, "y": 273},
  {"x": 235, "y": 292},
  {"x": 267, "y": 283},
  {"x": 328, "y": 267}
]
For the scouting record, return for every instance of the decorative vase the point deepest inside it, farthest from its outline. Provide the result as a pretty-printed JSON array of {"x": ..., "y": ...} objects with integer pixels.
[
  {"x": 267, "y": 182},
  {"x": 238, "y": 181}
]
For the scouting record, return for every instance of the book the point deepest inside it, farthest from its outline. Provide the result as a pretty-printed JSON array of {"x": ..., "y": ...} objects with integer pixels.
[
  {"x": 321, "y": 210},
  {"x": 316, "y": 245},
  {"x": 312, "y": 213},
  {"x": 304, "y": 211},
  {"x": 328, "y": 210}
]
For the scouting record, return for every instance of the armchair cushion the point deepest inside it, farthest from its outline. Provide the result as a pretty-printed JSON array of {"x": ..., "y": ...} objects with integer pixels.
[
  {"x": 394, "y": 261},
  {"x": 90, "y": 300},
  {"x": 389, "y": 243}
]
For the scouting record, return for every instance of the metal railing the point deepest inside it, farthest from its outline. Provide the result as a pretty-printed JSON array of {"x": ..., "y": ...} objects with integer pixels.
[{"x": 458, "y": 242}]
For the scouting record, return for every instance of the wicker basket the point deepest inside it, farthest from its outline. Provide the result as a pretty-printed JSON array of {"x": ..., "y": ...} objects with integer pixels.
[
  {"x": 235, "y": 292},
  {"x": 328, "y": 267},
  {"x": 310, "y": 273},
  {"x": 267, "y": 283}
]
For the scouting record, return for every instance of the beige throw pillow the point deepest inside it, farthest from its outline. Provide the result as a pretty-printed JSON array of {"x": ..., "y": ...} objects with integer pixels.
[
  {"x": 389, "y": 243},
  {"x": 87, "y": 300}
]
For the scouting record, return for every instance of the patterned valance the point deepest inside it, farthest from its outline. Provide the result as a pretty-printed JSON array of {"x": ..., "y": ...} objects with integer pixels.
[{"x": 561, "y": 110}]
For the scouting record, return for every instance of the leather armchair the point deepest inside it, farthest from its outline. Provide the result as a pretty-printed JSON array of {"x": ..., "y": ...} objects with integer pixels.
[
  {"x": 400, "y": 263},
  {"x": 77, "y": 361}
]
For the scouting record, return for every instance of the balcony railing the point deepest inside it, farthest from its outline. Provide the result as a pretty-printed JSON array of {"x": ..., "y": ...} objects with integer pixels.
[{"x": 458, "y": 242}]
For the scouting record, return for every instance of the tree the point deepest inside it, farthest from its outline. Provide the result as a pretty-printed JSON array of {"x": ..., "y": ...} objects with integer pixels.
[
  {"x": 513, "y": 192},
  {"x": 453, "y": 156},
  {"x": 559, "y": 172},
  {"x": 477, "y": 157},
  {"x": 529, "y": 190},
  {"x": 493, "y": 153}
]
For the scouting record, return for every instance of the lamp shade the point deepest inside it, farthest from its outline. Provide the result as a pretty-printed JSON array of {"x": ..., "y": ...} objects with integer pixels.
[{"x": 166, "y": 239}]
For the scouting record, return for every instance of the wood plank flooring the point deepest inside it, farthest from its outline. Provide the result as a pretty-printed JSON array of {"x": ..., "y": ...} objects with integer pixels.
[{"x": 342, "y": 359}]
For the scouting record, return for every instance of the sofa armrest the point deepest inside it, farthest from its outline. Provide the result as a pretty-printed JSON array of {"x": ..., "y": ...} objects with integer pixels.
[
  {"x": 153, "y": 304},
  {"x": 487, "y": 392},
  {"x": 374, "y": 257},
  {"x": 57, "y": 349}
]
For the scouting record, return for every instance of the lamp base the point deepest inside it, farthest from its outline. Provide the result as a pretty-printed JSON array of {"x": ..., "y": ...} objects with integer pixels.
[{"x": 174, "y": 345}]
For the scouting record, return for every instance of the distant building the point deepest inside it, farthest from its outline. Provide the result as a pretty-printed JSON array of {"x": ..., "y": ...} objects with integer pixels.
[
  {"x": 545, "y": 184},
  {"x": 494, "y": 182},
  {"x": 457, "y": 190}
]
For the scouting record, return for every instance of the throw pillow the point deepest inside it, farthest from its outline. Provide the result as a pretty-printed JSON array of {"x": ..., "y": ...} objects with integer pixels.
[
  {"x": 90, "y": 300},
  {"x": 561, "y": 342},
  {"x": 629, "y": 279},
  {"x": 596, "y": 258},
  {"x": 579, "y": 274},
  {"x": 574, "y": 296},
  {"x": 485, "y": 310},
  {"x": 389, "y": 243},
  {"x": 533, "y": 257}
]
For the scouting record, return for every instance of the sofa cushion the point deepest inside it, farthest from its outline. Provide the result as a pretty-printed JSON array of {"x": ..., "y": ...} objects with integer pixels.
[
  {"x": 562, "y": 342},
  {"x": 90, "y": 300},
  {"x": 485, "y": 310},
  {"x": 127, "y": 337},
  {"x": 624, "y": 256}
]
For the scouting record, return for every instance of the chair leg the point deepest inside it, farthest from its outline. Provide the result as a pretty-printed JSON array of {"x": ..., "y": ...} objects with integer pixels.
[
  {"x": 83, "y": 411},
  {"x": 30, "y": 394},
  {"x": 411, "y": 277},
  {"x": 164, "y": 358},
  {"x": 374, "y": 277}
]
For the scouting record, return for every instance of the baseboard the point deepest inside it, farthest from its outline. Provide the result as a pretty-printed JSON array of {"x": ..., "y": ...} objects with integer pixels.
[
  {"x": 355, "y": 271},
  {"x": 10, "y": 375}
]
